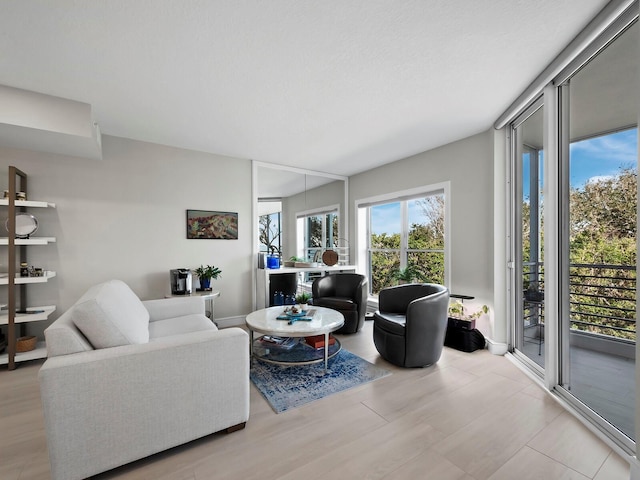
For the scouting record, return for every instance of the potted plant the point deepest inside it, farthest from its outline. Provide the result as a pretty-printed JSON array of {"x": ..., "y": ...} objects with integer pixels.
[
  {"x": 461, "y": 317},
  {"x": 408, "y": 274},
  {"x": 292, "y": 261},
  {"x": 303, "y": 299},
  {"x": 205, "y": 274}
]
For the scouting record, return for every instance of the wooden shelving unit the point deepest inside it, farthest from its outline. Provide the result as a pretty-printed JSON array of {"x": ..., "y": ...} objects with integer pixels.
[{"x": 16, "y": 285}]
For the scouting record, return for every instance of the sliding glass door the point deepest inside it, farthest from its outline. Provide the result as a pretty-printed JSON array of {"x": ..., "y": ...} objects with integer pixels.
[
  {"x": 599, "y": 108},
  {"x": 527, "y": 181},
  {"x": 573, "y": 283}
]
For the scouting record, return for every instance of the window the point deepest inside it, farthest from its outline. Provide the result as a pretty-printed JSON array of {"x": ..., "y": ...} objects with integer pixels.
[
  {"x": 406, "y": 241},
  {"x": 320, "y": 232},
  {"x": 270, "y": 227}
]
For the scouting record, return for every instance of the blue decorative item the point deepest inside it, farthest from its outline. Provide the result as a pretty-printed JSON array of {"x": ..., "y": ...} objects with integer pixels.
[
  {"x": 273, "y": 261},
  {"x": 278, "y": 299}
]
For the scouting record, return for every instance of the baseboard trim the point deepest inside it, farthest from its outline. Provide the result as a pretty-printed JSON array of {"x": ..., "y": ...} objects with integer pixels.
[
  {"x": 496, "y": 348},
  {"x": 230, "y": 321}
]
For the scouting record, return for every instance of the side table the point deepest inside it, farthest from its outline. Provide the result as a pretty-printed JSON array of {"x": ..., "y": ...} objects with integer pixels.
[{"x": 209, "y": 301}]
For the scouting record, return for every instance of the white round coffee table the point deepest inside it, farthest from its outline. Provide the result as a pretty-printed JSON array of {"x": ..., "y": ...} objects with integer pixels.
[{"x": 322, "y": 321}]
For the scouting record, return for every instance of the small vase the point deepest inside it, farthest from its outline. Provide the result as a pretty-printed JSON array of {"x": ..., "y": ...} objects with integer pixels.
[{"x": 205, "y": 283}]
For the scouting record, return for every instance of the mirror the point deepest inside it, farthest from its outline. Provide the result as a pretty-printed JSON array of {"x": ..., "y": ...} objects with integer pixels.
[{"x": 282, "y": 195}]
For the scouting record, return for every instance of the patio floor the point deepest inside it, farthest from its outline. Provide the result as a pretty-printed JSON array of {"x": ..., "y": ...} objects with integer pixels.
[{"x": 604, "y": 382}]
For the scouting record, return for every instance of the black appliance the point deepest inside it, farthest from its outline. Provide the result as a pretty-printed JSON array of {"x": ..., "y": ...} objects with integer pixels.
[{"x": 180, "y": 281}]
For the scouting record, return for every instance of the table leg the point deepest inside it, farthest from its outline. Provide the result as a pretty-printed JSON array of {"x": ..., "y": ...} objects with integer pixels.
[
  {"x": 326, "y": 351},
  {"x": 250, "y": 347}
]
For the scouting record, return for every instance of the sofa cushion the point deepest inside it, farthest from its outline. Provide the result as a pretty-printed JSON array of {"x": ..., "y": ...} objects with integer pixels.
[
  {"x": 110, "y": 315},
  {"x": 179, "y": 325},
  {"x": 64, "y": 338}
]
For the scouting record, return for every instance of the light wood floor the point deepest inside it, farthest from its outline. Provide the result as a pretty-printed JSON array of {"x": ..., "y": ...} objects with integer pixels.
[{"x": 472, "y": 416}]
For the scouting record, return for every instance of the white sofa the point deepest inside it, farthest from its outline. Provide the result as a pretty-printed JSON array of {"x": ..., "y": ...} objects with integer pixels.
[{"x": 125, "y": 379}]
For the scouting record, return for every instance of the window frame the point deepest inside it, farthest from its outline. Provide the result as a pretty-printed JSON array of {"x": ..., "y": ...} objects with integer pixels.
[
  {"x": 363, "y": 226},
  {"x": 302, "y": 230}
]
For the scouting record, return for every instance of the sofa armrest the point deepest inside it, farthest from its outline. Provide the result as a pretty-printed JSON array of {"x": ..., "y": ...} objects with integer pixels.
[
  {"x": 108, "y": 407},
  {"x": 164, "y": 308}
]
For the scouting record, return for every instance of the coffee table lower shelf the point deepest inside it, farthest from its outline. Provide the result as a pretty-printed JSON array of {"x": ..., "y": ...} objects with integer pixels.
[{"x": 299, "y": 354}]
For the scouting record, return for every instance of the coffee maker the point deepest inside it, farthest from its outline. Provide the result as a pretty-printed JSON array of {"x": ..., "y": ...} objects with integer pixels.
[{"x": 180, "y": 281}]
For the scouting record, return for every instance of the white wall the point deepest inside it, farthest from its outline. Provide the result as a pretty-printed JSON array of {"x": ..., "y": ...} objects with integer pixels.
[
  {"x": 468, "y": 166},
  {"x": 124, "y": 217}
]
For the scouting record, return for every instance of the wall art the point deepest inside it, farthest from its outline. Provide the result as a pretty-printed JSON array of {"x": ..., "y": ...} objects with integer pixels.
[{"x": 207, "y": 225}]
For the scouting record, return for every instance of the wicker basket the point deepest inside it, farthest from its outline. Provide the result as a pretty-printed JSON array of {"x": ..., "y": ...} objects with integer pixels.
[{"x": 26, "y": 344}]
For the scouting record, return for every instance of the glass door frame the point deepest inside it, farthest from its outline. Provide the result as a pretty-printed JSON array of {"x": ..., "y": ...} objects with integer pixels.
[
  {"x": 555, "y": 99},
  {"x": 515, "y": 172}
]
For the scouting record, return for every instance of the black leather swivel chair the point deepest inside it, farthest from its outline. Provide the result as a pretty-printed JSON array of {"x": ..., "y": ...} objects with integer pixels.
[
  {"x": 345, "y": 292},
  {"x": 411, "y": 323}
]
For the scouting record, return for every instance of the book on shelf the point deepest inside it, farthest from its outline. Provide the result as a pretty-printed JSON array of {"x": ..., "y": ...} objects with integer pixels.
[{"x": 317, "y": 341}]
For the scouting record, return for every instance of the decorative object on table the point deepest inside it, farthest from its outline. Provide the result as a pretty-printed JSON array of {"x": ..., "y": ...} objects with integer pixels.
[
  {"x": 205, "y": 275},
  {"x": 210, "y": 225},
  {"x": 272, "y": 341},
  {"x": 287, "y": 387},
  {"x": 273, "y": 261},
  {"x": 292, "y": 261},
  {"x": 26, "y": 225},
  {"x": 181, "y": 281},
  {"x": 330, "y": 257},
  {"x": 305, "y": 264},
  {"x": 317, "y": 341},
  {"x": 25, "y": 344},
  {"x": 302, "y": 299},
  {"x": 294, "y": 314}
]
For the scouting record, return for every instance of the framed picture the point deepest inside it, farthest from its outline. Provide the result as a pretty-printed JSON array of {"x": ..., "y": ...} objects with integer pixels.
[{"x": 208, "y": 225}]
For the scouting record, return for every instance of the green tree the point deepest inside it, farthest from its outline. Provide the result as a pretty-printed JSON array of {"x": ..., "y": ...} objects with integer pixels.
[
  {"x": 603, "y": 254},
  {"x": 426, "y": 237}
]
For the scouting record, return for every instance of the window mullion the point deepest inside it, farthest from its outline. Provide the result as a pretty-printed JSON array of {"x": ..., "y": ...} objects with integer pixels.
[{"x": 404, "y": 233}]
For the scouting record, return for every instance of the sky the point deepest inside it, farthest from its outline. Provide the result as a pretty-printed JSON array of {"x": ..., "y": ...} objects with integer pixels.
[
  {"x": 596, "y": 158},
  {"x": 591, "y": 159},
  {"x": 386, "y": 218},
  {"x": 603, "y": 156}
]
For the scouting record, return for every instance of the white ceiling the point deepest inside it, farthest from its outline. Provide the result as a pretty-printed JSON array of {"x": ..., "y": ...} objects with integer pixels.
[{"x": 339, "y": 86}]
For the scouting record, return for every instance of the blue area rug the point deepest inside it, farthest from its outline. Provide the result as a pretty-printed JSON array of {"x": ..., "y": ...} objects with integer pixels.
[{"x": 287, "y": 387}]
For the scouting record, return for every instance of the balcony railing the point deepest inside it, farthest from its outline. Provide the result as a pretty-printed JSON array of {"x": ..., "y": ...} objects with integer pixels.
[{"x": 602, "y": 298}]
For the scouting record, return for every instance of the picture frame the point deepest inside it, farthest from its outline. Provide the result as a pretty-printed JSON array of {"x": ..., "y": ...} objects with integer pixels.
[{"x": 212, "y": 225}]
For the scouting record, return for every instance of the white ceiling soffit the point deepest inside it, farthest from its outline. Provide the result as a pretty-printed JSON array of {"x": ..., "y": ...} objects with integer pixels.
[
  {"x": 44, "y": 123},
  {"x": 267, "y": 208},
  {"x": 278, "y": 183},
  {"x": 339, "y": 86}
]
